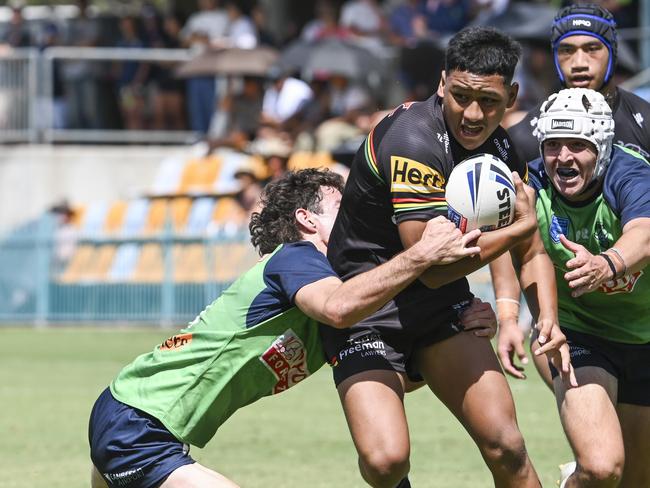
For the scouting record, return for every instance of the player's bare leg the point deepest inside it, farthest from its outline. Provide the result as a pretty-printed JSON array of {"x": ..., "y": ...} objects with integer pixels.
[
  {"x": 477, "y": 393},
  {"x": 380, "y": 434},
  {"x": 635, "y": 423},
  {"x": 196, "y": 476},
  {"x": 96, "y": 479},
  {"x": 592, "y": 427},
  {"x": 541, "y": 362}
]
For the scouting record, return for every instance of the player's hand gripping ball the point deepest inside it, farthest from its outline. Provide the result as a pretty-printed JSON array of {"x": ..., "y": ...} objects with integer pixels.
[{"x": 480, "y": 194}]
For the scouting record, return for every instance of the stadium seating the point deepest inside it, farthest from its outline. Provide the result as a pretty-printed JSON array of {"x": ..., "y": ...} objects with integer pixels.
[
  {"x": 190, "y": 228},
  {"x": 190, "y": 216}
]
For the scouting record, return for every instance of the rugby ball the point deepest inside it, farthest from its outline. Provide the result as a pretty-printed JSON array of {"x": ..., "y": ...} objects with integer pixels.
[{"x": 480, "y": 194}]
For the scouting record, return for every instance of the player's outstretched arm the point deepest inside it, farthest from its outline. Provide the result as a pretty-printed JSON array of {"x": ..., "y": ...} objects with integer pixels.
[
  {"x": 510, "y": 338},
  {"x": 537, "y": 277},
  {"x": 631, "y": 253},
  {"x": 492, "y": 244},
  {"x": 342, "y": 304}
]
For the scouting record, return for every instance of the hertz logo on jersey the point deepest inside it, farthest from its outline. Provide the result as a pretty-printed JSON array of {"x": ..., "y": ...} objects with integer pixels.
[{"x": 413, "y": 177}]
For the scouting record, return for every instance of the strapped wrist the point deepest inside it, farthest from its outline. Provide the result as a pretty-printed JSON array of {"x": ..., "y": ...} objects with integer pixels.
[
  {"x": 610, "y": 263},
  {"x": 507, "y": 308},
  {"x": 619, "y": 256}
]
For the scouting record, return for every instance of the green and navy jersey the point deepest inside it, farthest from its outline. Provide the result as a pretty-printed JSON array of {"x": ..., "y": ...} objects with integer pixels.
[
  {"x": 619, "y": 311},
  {"x": 399, "y": 174},
  {"x": 249, "y": 343},
  {"x": 631, "y": 119}
]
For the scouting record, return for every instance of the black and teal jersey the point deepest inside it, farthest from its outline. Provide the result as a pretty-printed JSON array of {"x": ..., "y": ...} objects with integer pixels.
[
  {"x": 618, "y": 311},
  {"x": 250, "y": 342},
  {"x": 631, "y": 119},
  {"x": 399, "y": 174}
]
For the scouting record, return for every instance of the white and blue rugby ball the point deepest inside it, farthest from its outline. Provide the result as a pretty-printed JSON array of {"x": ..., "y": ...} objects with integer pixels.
[{"x": 480, "y": 194}]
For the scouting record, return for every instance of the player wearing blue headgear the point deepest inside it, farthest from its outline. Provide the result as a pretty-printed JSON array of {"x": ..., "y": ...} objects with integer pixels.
[
  {"x": 584, "y": 44},
  {"x": 584, "y": 20}
]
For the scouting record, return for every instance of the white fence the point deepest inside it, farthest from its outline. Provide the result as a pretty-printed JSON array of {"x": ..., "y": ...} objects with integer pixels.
[{"x": 28, "y": 111}]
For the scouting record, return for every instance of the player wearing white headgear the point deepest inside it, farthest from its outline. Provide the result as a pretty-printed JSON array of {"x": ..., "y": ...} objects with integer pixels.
[
  {"x": 585, "y": 45},
  {"x": 593, "y": 213}
]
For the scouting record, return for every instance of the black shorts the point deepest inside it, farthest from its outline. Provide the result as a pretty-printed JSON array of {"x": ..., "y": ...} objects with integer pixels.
[
  {"x": 628, "y": 363},
  {"x": 131, "y": 448},
  {"x": 387, "y": 340}
]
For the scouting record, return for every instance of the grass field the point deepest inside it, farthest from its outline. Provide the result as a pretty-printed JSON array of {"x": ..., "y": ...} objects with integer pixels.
[{"x": 49, "y": 379}]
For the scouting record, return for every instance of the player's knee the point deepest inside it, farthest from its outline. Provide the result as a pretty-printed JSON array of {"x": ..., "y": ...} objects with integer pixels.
[
  {"x": 385, "y": 467},
  {"x": 506, "y": 451},
  {"x": 600, "y": 471}
]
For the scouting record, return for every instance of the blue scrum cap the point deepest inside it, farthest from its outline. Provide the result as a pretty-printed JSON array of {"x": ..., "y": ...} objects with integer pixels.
[{"x": 589, "y": 20}]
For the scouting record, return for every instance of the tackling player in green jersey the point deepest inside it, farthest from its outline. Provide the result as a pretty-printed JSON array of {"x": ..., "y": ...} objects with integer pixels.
[
  {"x": 258, "y": 338},
  {"x": 593, "y": 211}
]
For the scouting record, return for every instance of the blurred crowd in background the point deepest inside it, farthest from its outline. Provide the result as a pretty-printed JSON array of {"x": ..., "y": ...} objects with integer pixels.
[{"x": 334, "y": 70}]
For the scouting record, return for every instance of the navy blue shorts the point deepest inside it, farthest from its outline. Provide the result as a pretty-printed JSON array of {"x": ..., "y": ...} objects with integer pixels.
[
  {"x": 131, "y": 448},
  {"x": 628, "y": 363}
]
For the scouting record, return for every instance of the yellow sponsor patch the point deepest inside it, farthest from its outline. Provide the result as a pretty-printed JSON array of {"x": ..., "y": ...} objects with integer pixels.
[{"x": 413, "y": 177}]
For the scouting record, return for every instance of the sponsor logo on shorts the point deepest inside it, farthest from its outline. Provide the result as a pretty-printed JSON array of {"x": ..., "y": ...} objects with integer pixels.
[
  {"x": 366, "y": 345},
  {"x": 175, "y": 342},
  {"x": 576, "y": 351},
  {"x": 408, "y": 176},
  {"x": 625, "y": 284},
  {"x": 124, "y": 478},
  {"x": 286, "y": 358}
]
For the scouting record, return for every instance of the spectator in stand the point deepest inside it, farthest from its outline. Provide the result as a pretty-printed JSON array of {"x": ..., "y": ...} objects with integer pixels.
[
  {"x": 366, "y": 21},
  {"x": 49, "y": 38},
  {"x": 208, "y": 24},
  {"x": 238, "y": 118},
  {"x": 348, "y": 102},
  {"x": 284, "y": 98},
  {"x": 421, "y": 60},
  {"x": 248, "y": 176},
  {"x": 168, "y": 100},
  {"x": 17, "y": 34},
  {"x": 275, "y": 152},
  {"x": 241, "y": 31},
  {"x": 259, "y": 18},
  {"x": 407, "y": 23},
  {"x": 81, "y": 78},
  {"x": 131, "y": 78},
  {"x": 65, "y": 235},
  {"x": 204, "y": 27},
  {"x": 325, "y": 25},
  {"x": 448, "y": 16}
]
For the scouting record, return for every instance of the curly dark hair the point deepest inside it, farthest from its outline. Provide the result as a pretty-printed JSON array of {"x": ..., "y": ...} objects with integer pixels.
[{"x": 276, "y": 224}]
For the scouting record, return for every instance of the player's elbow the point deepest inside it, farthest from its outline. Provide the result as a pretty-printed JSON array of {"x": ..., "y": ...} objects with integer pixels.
[
  {"x": 339, "y": 315},
  {"x": 432, "y": 282}
]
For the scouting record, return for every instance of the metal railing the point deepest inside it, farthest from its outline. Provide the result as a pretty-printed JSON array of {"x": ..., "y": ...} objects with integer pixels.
[
  {"x": 27, "y": 95},
  {"x": 33, "y": 289},
  {"x": 18, "y": 95}
]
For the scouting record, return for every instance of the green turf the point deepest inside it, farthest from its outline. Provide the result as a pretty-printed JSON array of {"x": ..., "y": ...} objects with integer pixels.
[{"x": 50, "y": 377}]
